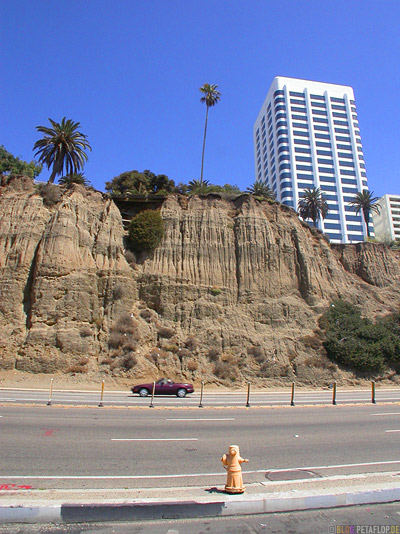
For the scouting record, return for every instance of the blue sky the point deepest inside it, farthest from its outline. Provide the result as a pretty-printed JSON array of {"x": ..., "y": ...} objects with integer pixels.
[{"x": 130, "y": 71}]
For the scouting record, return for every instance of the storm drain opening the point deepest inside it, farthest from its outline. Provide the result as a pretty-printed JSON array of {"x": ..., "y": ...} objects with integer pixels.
[{"x": 296, "y": 474}]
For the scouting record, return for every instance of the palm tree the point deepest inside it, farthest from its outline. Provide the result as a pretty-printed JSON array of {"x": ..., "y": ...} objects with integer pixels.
[
  {"x": 261, "y": 189},
  {"x": 62, "y": 145},
  {"x": 366, "y": 203},
  {"x": 198, "y": 186},
  {"x": 210, "y": 97},
  {"x": 74, "y": 178},
  {"x": 313, "y": 205}
]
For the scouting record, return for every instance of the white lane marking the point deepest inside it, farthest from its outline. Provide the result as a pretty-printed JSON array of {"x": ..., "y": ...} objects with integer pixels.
[
  {"x": 386, "y": 413},
  {"x": 332, "y": 477},
  {"x": 135, "y": 477},
  {"x": 7, "y": 400},
  {"x": 337, "y": 466},
  {"x": 211, "y": 419},
  {"x": 154, "y": 439},
  {"x": 392, "y": 430}
]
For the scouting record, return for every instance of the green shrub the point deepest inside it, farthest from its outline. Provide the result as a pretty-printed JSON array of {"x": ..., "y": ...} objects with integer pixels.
[
  {"x": 166, "y": 332},
  {"x": 146, "y": 231},
  {"x": 357, "y": 342},
  {"x": 216, "y": 291}
]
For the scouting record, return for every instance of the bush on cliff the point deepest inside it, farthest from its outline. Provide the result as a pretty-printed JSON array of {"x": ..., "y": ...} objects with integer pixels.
[
  {"x": 358, "y": 343},
  {"x": 146, "y": 231}
]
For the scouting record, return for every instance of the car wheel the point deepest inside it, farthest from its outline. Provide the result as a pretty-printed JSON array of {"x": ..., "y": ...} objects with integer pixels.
[
  {"x": 143, "y": 392},
  {"x": 181, "y": 392}
]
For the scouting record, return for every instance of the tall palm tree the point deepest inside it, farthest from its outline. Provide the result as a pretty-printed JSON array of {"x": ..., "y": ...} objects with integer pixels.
[
  {"x": 261, "y": 189},
  {"x": 313, "y": 205},
  {"x": 210, "y": 97},
  {"x": 62, "y": 145},
  {"x": 366, "y": 203}
]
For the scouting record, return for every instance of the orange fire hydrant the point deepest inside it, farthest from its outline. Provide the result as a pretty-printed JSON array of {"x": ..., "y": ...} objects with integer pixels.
[{"x": 231, "y": 462}]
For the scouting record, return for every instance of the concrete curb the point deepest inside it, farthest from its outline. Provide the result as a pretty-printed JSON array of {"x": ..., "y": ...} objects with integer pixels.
[{"x": 202, "y": 507}]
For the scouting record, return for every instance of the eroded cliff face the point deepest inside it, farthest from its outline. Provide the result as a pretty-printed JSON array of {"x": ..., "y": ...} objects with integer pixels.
[{"x": 234, "y": 291}]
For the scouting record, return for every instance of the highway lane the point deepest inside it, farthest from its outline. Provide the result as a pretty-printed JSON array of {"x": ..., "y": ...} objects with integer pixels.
[
  {"x": 211, "y": 398},
  {"x": 119, "y": 448}
]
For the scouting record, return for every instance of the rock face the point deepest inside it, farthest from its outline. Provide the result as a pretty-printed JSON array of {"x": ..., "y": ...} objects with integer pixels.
[{"x": 234, "y": 291}]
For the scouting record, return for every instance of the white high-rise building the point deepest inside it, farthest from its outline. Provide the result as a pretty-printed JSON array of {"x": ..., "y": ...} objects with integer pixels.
[
  {"x": 307, "y": 135},
  {"x": 387, "y": 222}
]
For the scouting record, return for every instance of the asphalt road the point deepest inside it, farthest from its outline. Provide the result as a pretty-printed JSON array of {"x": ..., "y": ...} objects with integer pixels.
[
  {"x": 210, "y": 398},
  {"x": 50, "y": 447}
]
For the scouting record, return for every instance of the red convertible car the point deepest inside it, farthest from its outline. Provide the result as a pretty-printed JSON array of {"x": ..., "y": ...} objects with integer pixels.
[{"x": 163, "y": 387}]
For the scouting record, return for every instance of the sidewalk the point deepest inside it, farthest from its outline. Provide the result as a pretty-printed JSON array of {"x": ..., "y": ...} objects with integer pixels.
[{"x": 69, "y": 506}]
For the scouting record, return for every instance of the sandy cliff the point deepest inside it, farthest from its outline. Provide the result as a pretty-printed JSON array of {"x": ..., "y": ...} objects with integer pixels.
[{"x": 236, "y": 288}]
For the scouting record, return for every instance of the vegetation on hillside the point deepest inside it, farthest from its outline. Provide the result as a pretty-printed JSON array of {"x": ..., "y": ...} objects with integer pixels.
[
  {"x": 74, "y": 178},
  {"x": 359, "y": 344},
  {"x": 13, "y": 165},
  {"x": 140, "y": 183},
  {"x": 146, "y": 231},
  {"x": 260, "y": 189}
]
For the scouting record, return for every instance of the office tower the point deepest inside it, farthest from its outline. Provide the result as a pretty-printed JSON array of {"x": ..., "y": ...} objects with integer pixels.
[
  {"x": 387, "y": 223},
  {"x": 307, "y": 135}
]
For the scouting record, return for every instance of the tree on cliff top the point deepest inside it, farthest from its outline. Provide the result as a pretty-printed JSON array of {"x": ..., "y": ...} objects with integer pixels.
[
  {"x": 140, "y": 183},
  {"x": 210, "y": 97},
  {"x": 10, "y": 164},
  {"x": 313, "y": 205},
  {"x": 62, "y": 145},
  {"x": 74, "y": 178},
  {"x": 366, "y": 203},
  {"x": 261, "y": 189}
]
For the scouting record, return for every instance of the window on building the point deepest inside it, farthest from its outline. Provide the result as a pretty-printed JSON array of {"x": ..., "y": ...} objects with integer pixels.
[
  {"x": 301, "y": 142},
  {"x": 304, "y": 168},
  {"x": 301, "y": 150},
  {"x": 300, "y": 134},
  {"x": 326, "y": 170},
  {"x": 299, "y": 117},
  {"x": 349, "y": 189},
  {"x": 322, "y": 144},
  {"x": 343, "y": 147}
]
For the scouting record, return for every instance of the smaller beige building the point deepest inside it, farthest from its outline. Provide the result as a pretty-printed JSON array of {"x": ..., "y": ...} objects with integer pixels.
[{"x": 387, "y": 223}]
